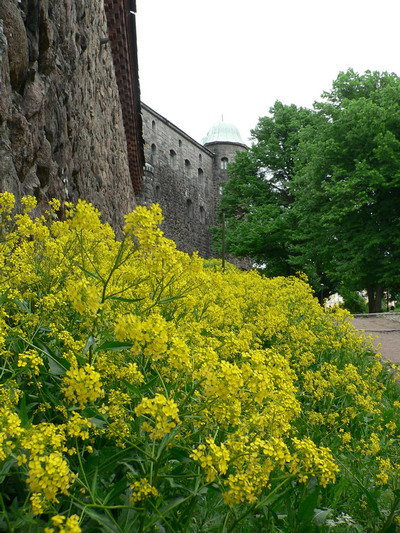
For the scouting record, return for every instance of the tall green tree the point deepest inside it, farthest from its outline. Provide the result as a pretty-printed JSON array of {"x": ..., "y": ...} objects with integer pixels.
[
  {"x": 319, "y": 191},
  {"x": 257, "y": 198},
  {"x": 347, "y": 185}
]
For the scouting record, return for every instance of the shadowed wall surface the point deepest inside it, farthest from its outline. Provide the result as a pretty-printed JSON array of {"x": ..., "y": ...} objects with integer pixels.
[{"x": 61, "y": 125}]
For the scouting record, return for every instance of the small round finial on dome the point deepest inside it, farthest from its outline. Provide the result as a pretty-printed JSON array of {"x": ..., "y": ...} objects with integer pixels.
[{"x": 223, "y": 132}]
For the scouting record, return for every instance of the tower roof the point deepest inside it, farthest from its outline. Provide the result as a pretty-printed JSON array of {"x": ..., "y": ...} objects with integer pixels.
[{"x": 223, "y": 132}]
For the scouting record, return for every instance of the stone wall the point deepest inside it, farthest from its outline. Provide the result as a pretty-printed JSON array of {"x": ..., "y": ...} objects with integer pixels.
[
  {"x": 186, "y": 183},
  {"x": 61, "y": 127},
  {"x": 183, "y": 184},
  {"x": 122, "y": 31}
]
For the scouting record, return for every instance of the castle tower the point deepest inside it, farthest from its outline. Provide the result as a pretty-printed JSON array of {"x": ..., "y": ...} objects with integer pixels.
[{"x": 224, "y": 140}]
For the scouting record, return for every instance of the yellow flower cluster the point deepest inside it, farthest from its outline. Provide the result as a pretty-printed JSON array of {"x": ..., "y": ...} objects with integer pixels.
[
  {"x": 7, "y": 202},
  {"x": 213, "y": 458},
  {"x": 82, "y": 385},
  {"x": 31, "y": 360},
  {"x": 311, "y": 460},
  {"x": 48, "y": 475},
  {"x": 164, "y": 413},
  {"x": 61, "y": 524},
  {"x": 10, "y": 429},
  {"x": 141, "y": 490}
]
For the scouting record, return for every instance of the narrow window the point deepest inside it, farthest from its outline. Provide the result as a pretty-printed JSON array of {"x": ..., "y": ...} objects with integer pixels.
[
  {"x": 172, "y": 158},
  {"x": 187, "y": 166},
  {"x": 224, "y": 163},
  {"x": 180, "y": 143},
  {"x": 157, "y": 192},
  {"x": 200, "y": 174},
  {"x": 153, "y": 125},
  {"x": 202, "y": 215},
  {"x": 153, "y": 154},
  {"x": 189, "y": 208},
  {"x": 200, "y": 158}
]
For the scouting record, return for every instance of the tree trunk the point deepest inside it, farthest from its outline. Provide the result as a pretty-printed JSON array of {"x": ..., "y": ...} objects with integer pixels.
[
  {"x": 375, "y": 296},
  {"x": 321, "y": 297}
]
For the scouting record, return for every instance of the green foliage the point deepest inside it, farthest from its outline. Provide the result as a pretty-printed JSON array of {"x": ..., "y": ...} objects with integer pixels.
[
  {"x": 323, "y": 188},
  {"x": 353, "y": 301},
  {"x": 257, "y": 198}
]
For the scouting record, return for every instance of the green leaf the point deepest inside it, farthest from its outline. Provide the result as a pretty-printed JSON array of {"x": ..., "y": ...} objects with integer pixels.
[
  {"x": 24, "y": 305},
  {"x": 91, "y": 341},
  {"x": 91, "y": 274},
  {"x": 115, "y": 346},
  {"x": 105, "y": 523},
  {"x": 4, "y": 297},
  {"x": 55, "y": 368},
  {"x": 58, "y": 365},
  {"x": 171, "y": 299},
  {"x": 97, "y": 422},
  {"x": 5, "y": 467},
  {"x": 122, "y": 299},
  {"x": 117, "y": 489},
  {"x": 320, "y": 515},
  {"x": 23, "y": 411},
  {"x": 307, "y": 508}
]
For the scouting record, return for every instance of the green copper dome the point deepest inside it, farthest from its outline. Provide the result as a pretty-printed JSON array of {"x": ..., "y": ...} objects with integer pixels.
[{"x": 223, "y": 132}]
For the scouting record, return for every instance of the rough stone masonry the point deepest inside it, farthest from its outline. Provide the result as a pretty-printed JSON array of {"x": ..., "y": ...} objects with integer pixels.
[{"x": 61, "y": 125}]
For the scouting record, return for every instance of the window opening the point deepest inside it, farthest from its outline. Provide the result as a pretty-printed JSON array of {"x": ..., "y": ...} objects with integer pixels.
[
  {"x": 153, "y": 154},
  {"x": 202, "y": 215},
  {"x": 189, "y": 208},
  {"x": 172, "y": 158}
]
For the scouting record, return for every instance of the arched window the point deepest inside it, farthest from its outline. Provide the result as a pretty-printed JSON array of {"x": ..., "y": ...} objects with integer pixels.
[
  {"x": 200, "y": 174},
  {"x": 202, "y": 214},
  {"x": 224, "y": 163},
  {"x": 189, "y": 208},
  {"x": 180, "y": 143},
  {"x": 153, "y": 125},
  {"x": 153, "y": 154},
  {"x": 200, "y": 158},
  {"x": 187, "y": 166},
  {"x": 172, "y": 158}
]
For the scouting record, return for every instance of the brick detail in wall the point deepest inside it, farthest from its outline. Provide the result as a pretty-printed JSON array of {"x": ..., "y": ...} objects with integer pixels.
[{"x": 122, "y": 33}]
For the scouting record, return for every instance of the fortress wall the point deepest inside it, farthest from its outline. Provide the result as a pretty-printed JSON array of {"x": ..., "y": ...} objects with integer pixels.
[
  {"x": 122, "y": 31},
  {"x": 187, "y": 200},
  {"x": 61, "y": 125}
]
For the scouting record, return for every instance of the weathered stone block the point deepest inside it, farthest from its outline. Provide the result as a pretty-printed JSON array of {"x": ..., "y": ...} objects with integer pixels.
[{"x": 14, "y": 30}]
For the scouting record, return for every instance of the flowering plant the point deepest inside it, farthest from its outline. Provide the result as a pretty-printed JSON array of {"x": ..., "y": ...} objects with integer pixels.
[{"x": 143, "y": 389}]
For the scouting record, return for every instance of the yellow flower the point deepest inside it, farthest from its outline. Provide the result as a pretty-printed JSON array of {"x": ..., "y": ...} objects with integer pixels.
[
  {"x": 29, "y": 203},
  {"x": 141, "y": 490},
  {"x": 64, "y": 525},
  {"x": 7, "y": 202},
  {"x": 82, "y": 386},
  {"x": 163, "y": 412},
  {"x": 31, "y": 360},
  {"x": 48, "y": 476}
]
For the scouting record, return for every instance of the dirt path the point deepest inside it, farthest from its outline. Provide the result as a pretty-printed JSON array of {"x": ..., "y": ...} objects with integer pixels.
[{"x": 386, "y": 329}]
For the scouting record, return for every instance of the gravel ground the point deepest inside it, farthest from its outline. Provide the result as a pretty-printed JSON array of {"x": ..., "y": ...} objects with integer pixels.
[{"x": 386, "y": 329}]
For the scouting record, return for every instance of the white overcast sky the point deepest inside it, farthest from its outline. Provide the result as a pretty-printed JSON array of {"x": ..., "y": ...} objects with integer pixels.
[{"x": 200, "y": 59}]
